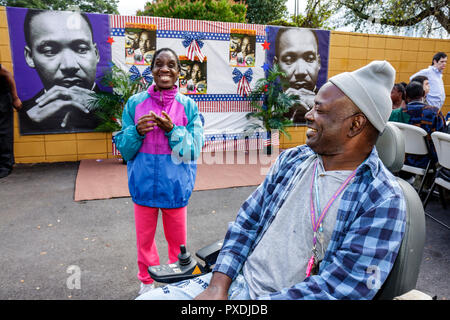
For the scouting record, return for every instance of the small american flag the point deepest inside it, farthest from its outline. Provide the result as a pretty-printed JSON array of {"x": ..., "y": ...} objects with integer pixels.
[
  {"x": 243, "y": 87},
  {"x": 115, "y": 151},
  {"x": 275, "y": 138},
  {"x": 194, "y": 50},
  {"x": 272, "y": 138}
]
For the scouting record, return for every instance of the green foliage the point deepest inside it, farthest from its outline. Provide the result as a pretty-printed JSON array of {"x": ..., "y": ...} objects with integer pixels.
[
  {"x": 108, "y": 106},
  {"x": 274, "y": 105},
  {"x": 424, "y": 16},
  {"x": 97, "y": 6},
  {"x": 263, "y": 11},
  {"x": 210, "y": 10},
  {"x": 282, "y": 22},
  {"x": 316, "y": 16}
]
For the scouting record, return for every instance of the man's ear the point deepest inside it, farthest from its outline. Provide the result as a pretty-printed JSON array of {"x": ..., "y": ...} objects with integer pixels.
[
  {"x": 359, "y": 122},
  {"x": 28, "y": 57}
]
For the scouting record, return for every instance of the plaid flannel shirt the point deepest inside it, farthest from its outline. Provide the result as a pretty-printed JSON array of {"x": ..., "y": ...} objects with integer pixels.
[{"x": 365, "y": 242}]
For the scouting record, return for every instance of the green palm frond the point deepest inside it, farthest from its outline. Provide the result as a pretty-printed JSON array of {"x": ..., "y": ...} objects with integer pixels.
[
  {"x": 270, "y": 102},
  {"x": 108, "y": 106}
]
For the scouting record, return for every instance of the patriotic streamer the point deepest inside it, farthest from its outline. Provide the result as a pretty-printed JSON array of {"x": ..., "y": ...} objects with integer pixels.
[
  {"x": 243, "y": 81},
  {"x": 194, "y": 44},
  {"x": 169, "y": 24},
  {"x": 240, "y": 141},
  {"x": 267, "y": 139},
  {"x": 115, "y": 151},
  {"x": 135, "y": 74}
]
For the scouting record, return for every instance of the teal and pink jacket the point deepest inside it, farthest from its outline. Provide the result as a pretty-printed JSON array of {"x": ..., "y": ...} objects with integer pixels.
[{"x": 161, "y": 166}]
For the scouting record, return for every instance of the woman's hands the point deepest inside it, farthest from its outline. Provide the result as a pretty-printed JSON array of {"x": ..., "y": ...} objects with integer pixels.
[
  {"x": 147, "y": 123},
  {"x": 164, "y": 122}
]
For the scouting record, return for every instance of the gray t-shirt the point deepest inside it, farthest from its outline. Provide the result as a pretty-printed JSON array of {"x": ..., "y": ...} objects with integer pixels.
[{"x": 281, "y": 257}]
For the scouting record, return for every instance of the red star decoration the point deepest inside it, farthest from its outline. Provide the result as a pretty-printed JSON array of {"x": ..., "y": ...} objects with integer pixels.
[
  {"x": 266, "y": 45},
  {"x": 110, "y": 40}
]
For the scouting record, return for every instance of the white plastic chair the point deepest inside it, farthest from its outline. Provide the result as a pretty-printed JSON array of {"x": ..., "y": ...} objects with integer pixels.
[
  {"x": 441, "y": 142},
  {"x": 415, "y": 143}
]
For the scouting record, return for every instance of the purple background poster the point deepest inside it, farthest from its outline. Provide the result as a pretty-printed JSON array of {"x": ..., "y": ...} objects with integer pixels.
[
  {"x": 27, "y": 79},
  {"x": 323, "y": 37},
  {"x": 303, "y": 57},
  {"x": 29, "y": 83}
]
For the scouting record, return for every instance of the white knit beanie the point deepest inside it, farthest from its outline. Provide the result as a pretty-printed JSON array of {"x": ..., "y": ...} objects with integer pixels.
[{"x": 370, "y": 89}]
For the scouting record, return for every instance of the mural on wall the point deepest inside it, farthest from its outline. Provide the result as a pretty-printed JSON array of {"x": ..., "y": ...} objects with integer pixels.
[
  {"x": 206, "y": 74},
  {"x": 193, "y": 76},
  {"x": 221, "y": 62},
  {"x": 305, "y": 63},
  {"x": 140, "y": 43},
  {"x": 242, "y": 48},
  {"x": 57, "y": 58}
]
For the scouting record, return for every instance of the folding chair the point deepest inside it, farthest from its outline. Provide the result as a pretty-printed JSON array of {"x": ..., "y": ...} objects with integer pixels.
[
  {"x": 416, "y": 143},
  {"x": 441, "y": 142}
]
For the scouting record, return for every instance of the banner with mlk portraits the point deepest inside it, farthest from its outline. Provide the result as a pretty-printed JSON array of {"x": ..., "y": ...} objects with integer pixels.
[
  {"x": 220, "y": 63},
  {"x": 58, "y": 59}
]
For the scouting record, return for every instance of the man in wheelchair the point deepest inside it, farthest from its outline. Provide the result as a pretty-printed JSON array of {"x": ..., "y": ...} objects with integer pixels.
[{"x": 328, "y": 221}]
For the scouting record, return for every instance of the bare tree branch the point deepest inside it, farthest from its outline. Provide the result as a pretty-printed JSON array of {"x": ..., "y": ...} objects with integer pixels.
[
  {"x": 443, "y": 20},
  {"x": 359, "y": 10}
]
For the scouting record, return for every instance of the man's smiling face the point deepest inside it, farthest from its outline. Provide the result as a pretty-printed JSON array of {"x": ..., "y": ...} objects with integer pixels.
[{"x": 329, "y": 121}]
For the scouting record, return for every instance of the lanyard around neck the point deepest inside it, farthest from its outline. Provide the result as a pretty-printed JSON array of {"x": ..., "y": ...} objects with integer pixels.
[{"x": 315, "y": 224}]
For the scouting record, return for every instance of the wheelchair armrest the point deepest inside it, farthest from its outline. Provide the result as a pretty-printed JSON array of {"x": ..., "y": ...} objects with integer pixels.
[{"x": 209, "y": 253}]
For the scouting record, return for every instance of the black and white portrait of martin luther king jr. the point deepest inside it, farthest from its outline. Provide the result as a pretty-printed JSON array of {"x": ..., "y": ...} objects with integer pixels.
[
  {"x": 297, "y": 54},
  {"x": 61, "y": 48}
]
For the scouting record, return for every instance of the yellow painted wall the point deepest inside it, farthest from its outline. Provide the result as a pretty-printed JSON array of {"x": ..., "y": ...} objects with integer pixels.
[{"x": 348, "y": 51}]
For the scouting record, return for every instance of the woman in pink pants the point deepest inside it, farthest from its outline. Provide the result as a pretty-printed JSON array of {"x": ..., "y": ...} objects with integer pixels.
[{"x": 161, "y": 138}]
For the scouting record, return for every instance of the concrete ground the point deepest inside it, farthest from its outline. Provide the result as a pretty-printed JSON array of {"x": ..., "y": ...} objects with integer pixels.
[{"x": 47, "y": 239}]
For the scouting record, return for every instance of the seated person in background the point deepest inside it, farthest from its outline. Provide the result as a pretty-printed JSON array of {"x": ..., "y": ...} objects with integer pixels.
[
  {"x": 329, "y": 215},
  {"x": 400, "y": 114},
  {"x": 447, "y": 121},
  {"x": 425, "y": 83},
  {"x": 422, "y": 115},
  {"x": 398, "y": 107},
  {"x": 398, "y": 96}
]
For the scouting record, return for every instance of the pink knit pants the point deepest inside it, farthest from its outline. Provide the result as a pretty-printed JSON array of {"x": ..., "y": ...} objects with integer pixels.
[{"x": 146, "y": 219}]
